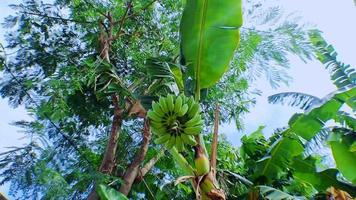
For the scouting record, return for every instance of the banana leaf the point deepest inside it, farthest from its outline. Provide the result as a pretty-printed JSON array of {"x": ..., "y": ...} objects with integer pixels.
[{"x": 209, "y": 37}]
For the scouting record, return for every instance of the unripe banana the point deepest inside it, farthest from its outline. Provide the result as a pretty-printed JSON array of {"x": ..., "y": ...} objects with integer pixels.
[
  {"x": 190, "y": 101},
  {"x": 179, "y": 144},
  {"x": 163, "y": 104},
  {"x": 156, "y": 125},
  {"x": 174, "y": 120},
  {"x": 188, "y": 139},
  {"x": 153, "y": 116},
  {"x": 163, "y": 139},
  {"x": 194, "y": 130},
  {"x": 171, "y": 142},
  {"x": 160, "y": 131},
  {"x": 194, "y": 121},
  {"x": 157, "y": 109},
  {"x": 183, "y": 110},
  {"x": 178, "y": 104},
  {"x": 193, "y": 110},
  {"x": 170, "y": 102}
]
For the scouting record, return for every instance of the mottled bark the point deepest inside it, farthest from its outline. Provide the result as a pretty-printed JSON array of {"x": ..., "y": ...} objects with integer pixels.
[
  {"x": 108, "y": 162},
  {"x": 148, "y": 166},
  {"x": 133, "y": 169}
]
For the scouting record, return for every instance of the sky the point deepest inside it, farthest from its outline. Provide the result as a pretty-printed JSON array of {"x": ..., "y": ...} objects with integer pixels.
[
  {"x": 337, "y": 20},
  {"x": 338, "y": 23}
]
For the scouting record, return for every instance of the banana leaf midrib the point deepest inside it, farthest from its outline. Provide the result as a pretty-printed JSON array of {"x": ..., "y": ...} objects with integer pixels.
[{"x": 200, "y": 48}]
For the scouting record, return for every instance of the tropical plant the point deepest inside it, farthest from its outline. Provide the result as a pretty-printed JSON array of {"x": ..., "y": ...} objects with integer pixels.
[
  {"x": 99, "y": 76},
  {"x": 312, "y": 126}
]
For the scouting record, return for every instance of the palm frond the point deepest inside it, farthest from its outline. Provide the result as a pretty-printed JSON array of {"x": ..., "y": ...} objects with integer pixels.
[
  {"x": 271, "y": 193},
  {"x": 341, "y": 74},
  {"x": 269, "y": 56},
  {"x": 295, "y": 99},
  {"x": 159, "y": 68},
  {"x": 318, "y": 142},
  {"x": 346, "y": 120}
]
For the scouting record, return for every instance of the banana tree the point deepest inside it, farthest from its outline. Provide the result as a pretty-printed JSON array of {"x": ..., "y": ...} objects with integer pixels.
[
  {"x": 291, "y": 152},
  {"x": 209, "y": 37}
]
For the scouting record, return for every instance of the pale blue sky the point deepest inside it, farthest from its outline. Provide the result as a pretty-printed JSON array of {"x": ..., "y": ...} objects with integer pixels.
[{"x": 337, "y": 19}]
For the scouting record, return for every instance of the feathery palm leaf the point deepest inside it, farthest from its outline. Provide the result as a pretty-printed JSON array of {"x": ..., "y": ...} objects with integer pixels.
[
  {"x": 295, "y": 99},
  {"x": 341, "y": 74}
]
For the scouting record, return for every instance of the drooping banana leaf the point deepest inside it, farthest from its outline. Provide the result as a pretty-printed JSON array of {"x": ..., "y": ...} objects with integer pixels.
[
  {"x": 305, "y": 170},
  {"x": 209, "y": 37},
  {"x": 277, "y": 161},
  {"x": 309, "y": 124},
  {"x": 344, "y": 157}
]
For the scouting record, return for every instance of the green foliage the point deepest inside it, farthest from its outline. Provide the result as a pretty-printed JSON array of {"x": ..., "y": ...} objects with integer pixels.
[
  {"x": 274, "y": 194},
  {"x": 305, "y": 169},
  {"x": 107, "y": 193},
  {"x": 209, "y": 38},
  {"x": 340, "y": 144},
  {"x": 54, "y": 55},
  {"x": 308, "y": 125},
  {"x": 295, "y": 99},
  {"x": 266, "y": 40},
  {"x": 273, "y": 165},
  {"x": 341, "y": 74}
]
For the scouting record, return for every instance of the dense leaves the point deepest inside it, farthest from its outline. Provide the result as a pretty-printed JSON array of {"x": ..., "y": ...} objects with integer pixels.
[{"x": 53, "y": 67}]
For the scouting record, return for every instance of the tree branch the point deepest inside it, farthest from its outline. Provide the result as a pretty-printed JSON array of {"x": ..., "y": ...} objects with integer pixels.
[
  {"x": 149, "y": 165},
  {"x": 56, "y": 18},
  {"x": 214, "y": 143},
  {"x": 133, "y": 169},
  {"x": 122, "y": 21},
  {"x": 108, "y": 163}
]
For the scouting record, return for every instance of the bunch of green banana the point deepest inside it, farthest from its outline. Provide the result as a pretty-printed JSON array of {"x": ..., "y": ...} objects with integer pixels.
[{"x": 175, "y": 120}]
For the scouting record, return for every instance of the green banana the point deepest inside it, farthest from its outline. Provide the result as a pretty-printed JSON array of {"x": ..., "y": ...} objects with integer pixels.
[
  {"x": 196, "y": 120},
  {"x": 193, "y": 130},
  {"x": 178, "y": 104},
  {"x": 175, "y": 120},
  {"x": 153, "y": 116},
  {"x": 171, "y": 142},
  {"x": 193, "y": 110},
  {"x": 160, "y": 131},
  {"x": 183, "y": 110},
  {"x": 156, "y": 125},
  {"x": 188, "y": 139},
  {"x": 157, "y": 108},
  {"x": 163, "y": 104},
  {"x": 170, "y": 103},
  {"x": 162, "y": 139}
]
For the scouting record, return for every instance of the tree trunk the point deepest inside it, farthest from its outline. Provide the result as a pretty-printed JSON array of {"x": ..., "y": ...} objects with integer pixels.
[
  {"x": 133, "y": 169},
  {"x": 108, "y": 162}
]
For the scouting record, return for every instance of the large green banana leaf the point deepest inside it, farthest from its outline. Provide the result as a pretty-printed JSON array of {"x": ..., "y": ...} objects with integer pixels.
[
  {"x": 306, "y": 171},
  {"x": 209, "y": 37},
  {"x": 344, "y": 157},
  {"x": 276, "y": 163},
  {"x": 309, "y": 124}
]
